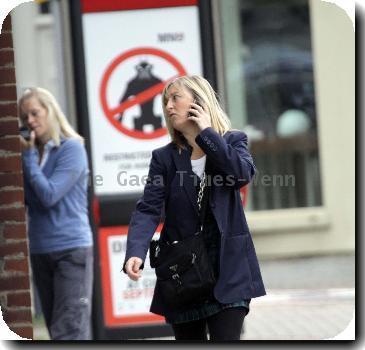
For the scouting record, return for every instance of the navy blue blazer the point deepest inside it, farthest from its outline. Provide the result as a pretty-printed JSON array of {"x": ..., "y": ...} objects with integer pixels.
[{"x": 171, "y": 184}]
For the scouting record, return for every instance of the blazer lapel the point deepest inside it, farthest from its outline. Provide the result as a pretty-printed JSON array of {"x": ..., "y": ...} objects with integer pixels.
[{"x": 185, "y": 174}]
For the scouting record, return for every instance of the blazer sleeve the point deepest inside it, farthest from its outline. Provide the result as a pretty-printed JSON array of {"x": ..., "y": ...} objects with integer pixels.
[
  {"x": 147, "y": 214},
  {"x": 229, "y": 154},
  {"x": 70, "y": 165}
]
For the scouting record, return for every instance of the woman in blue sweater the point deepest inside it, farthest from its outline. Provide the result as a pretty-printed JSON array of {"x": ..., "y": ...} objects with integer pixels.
[{"x": 56, "y": 172}]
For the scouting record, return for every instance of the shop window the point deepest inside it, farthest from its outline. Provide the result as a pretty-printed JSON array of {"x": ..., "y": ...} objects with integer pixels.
[{"x": 271, "y": 96}]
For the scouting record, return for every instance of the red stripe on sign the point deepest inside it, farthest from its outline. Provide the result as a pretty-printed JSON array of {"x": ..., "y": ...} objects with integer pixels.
[
  {"x": 140, "y": 98},
  {"x": 117, "y": 5}
]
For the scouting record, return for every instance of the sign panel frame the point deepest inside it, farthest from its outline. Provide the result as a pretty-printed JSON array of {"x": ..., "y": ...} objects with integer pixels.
[{"x": 116, "y": 209}]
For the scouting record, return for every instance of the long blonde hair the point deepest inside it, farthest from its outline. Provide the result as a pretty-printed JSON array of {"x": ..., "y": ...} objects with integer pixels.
[
  {"x": 59, "y": 125},
  {"x": 204, "y": 94}
]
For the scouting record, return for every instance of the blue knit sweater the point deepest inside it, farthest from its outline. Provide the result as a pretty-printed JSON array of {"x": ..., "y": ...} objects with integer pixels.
[{"x": 56, "y": 197}]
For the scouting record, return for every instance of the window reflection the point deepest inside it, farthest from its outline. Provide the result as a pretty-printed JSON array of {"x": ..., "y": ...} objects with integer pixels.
[{"x": 280, "y": 114}]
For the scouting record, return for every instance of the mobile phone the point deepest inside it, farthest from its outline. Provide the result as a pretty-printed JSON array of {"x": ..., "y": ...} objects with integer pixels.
[
  {"x": 196, "y": 101},
  {"x": 25, "y": 133}
]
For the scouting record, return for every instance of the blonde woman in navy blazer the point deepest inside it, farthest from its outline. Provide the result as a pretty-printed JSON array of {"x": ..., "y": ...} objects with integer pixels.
[{"x": 200, "y": 130}]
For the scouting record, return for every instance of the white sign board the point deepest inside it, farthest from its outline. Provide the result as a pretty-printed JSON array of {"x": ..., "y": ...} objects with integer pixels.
[{"x": 129, "y": 56}]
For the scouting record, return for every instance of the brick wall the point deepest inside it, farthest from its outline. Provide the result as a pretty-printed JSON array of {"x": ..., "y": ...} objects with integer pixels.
[{"x": 15, "y": 297}]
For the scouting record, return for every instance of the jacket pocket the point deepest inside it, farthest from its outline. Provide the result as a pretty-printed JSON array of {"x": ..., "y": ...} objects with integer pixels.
[{"x": 234, "y": 267}]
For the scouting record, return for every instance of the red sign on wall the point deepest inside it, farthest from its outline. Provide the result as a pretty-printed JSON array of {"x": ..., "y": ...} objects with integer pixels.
[{"x": 125, "y": 302}]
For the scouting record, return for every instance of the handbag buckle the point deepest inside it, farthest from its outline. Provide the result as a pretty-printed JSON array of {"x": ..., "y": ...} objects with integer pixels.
[
  {"x": 176, "y": 278},
  {"x": 173, "y": 268},
  {"x": 157, "y": 251}
]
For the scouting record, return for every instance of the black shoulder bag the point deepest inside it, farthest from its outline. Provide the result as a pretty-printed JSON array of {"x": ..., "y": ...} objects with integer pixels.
[{"x": 184, "y": 273}]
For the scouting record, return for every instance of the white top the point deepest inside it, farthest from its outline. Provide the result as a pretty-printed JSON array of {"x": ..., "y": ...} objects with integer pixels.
[
  {"x": 47, "y": 148},
  {"x": 198, "y": 165}
]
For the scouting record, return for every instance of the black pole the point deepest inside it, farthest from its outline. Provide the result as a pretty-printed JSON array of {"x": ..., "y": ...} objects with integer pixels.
[{"x": 207, "y": 42}]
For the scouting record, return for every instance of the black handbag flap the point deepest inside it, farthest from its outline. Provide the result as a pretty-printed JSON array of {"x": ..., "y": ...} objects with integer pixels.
[{"x": 177, "y": 265}]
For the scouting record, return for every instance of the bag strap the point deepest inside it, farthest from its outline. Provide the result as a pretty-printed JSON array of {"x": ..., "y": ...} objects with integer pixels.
[
  {"x": 202, "y": 204},
  {"x": 201, "y": 190}
]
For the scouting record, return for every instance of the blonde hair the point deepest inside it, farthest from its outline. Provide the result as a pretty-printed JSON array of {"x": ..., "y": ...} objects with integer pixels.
[
  {"x": 204, "y": 94},
  {"x": 59, "y": 125}
]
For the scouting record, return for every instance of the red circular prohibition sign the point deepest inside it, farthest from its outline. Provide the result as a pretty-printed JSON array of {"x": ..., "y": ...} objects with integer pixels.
[{"x": 139, "y": 98}]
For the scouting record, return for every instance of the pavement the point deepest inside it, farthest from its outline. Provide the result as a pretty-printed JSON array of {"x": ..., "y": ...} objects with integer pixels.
[
  {"x": 309, "y": 298},
  {"x": 300, "y": 315}
]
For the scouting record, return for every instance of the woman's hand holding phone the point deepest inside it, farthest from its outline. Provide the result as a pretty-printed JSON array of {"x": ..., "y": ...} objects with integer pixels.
[
  {"x": 27, "y": 139},
  {"x": 198, "y": 114}
]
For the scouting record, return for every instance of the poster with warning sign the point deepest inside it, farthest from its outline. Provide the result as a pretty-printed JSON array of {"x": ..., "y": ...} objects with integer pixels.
[{"x": 130, "y": 54}]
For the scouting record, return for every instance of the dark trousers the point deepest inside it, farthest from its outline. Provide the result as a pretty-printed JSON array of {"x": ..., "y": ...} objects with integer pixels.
[
  {"x": 64, "y": 283},
  {"x": 224, "y": 326}
]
